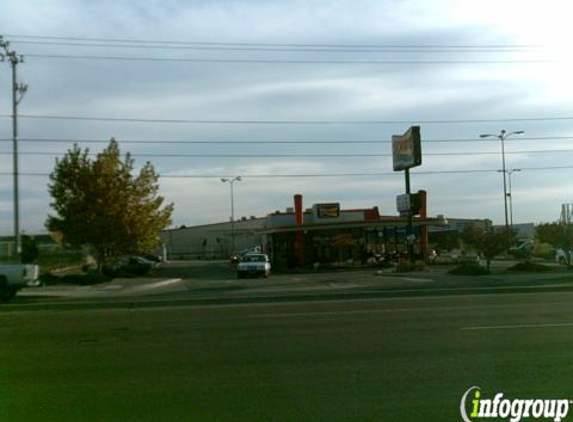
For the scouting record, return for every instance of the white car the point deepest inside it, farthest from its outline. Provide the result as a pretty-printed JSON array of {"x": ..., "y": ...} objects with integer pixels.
[
  {"x": 15, "y": 277},
  {"x": 254, "y": 264}
]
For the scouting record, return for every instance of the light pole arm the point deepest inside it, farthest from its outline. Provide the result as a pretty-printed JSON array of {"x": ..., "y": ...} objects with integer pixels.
[{"x": 502, "y": 136}]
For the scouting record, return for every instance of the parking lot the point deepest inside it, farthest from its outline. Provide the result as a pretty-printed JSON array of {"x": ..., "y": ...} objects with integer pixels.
[{"x": 217, "y": 282}]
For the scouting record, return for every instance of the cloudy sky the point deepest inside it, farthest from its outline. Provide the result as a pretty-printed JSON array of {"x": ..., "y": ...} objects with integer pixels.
[{"x": 296, "y": 97}]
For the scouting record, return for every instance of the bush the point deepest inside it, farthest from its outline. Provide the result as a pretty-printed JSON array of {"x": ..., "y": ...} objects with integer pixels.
[
  {"x": 49, "y": 278},
  {"x": 530, "y": 267},
  {"x": 89, "y": 278},
  {"x": 469, "y": 269},
  {"x": 543, "y": 250}
]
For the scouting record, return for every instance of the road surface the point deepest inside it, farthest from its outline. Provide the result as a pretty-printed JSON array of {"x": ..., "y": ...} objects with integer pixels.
[{"x": 378, "y": 359}]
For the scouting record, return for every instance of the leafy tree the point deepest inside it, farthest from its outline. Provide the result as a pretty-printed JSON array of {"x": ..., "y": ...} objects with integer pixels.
[
  {"x": 444, "y": 240},
  {"x": 488, "y": 243},
  {"x": 557, "y": 234},
  {"x": 99, "y": 204}
]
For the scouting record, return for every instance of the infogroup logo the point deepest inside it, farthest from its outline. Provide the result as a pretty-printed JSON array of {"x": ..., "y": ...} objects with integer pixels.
[{"x": 515, "y": 410}]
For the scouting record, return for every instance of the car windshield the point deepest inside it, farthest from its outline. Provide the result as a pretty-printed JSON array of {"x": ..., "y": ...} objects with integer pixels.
[{"x": 254, "y": 258}]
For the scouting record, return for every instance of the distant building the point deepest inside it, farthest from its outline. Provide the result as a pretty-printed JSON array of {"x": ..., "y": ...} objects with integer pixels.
[
  {"x": 45, "y": 243},
  {"x": 323, "y": 233},
  {"x": 523, "y": 232},
  {"x": 213, "y": 241}
]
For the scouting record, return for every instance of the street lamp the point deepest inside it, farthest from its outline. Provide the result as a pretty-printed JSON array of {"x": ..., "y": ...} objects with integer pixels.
[
  {"x": 509, "y": 194},
  {"x": 231, "y": 183},
  {"x": 502, "y": 136}
]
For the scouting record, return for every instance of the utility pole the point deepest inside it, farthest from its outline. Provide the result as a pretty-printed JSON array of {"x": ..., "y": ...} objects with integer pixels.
[{"x": 18, "y": 91}]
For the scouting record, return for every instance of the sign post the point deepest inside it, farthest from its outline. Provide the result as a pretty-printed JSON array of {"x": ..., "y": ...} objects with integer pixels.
[{"x": 407, "y": 153}]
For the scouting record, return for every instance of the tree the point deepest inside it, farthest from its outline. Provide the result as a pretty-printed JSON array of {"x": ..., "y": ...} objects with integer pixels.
[
  {"x": 444, "y": 240},
  {"x": 557, "y": 234},
  {"x": 99, "y": 204},
  {"x": 488, "y": 243}
]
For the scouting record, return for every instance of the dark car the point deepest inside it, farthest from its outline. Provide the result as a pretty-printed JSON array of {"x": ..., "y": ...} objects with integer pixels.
[
  {"x": 129, "y": 267},
  {"x": 152, "y": 258}
]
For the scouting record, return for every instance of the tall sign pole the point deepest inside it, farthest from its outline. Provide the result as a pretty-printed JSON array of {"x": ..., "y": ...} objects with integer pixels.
[
  {"x": 407, "y": 153},
  {"x": 18, "y": 91},
  {"x": 409, "y": 228}
]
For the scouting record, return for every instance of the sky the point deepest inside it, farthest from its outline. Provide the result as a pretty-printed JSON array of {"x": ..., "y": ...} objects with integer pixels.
[{"x": 296, "y": 97}]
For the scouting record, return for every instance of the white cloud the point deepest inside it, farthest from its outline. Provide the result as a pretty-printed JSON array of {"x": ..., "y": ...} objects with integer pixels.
[{"x": 298, "y": 92}]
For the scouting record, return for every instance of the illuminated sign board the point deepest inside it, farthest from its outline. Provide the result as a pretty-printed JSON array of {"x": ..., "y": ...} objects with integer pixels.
[
  {"x": 406, "y": 149},
  {"x": 408, "y": 204},
  {"x": 327, "y": 210}
]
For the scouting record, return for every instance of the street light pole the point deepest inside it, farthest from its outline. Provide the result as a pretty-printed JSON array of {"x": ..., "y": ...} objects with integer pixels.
[
  {"x": 510, "y": 194},
  {"x": 502, "y": 136},
  {"x": 231, "y": 184}
]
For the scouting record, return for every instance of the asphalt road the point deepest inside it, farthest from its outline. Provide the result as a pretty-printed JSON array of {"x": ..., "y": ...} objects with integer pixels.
[{"x": 382, "y": 359}]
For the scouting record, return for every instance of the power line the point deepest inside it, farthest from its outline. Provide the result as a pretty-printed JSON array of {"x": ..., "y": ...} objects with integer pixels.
[
  {"x": 325, "y": 175},
  {"x": 280, "y": 61},
  {"x": 266, "y": 49},
  {"x": 547, "y": 168},
  {"x": 305, "y": 155},
  {"x": 211, "y": 43},
  {"x": 278, "y": 142},
  {"x": 287, "y": 122},
  {"x": 176, "y": 142}
]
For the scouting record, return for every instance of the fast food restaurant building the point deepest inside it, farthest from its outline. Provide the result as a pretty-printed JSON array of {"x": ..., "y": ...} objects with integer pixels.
[{"x": 323, "y": 233}]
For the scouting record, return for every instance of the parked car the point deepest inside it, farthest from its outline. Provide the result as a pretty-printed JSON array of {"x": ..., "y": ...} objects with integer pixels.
[
  {"x": 14, "y": 277},
  {"x": 129, "y": 266},
  {"x": 522, "y": 251},
  {"x": 153, "y": 258},
  {"x": 254, "y": 264}
]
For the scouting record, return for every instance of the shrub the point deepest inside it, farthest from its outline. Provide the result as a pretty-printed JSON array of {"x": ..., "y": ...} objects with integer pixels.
[
  {"x": 530, "y": 267},
  {"x": 543, "y": 250},
  {"x": 49, "y": 278},
  {"x": 89, "y": 278}
]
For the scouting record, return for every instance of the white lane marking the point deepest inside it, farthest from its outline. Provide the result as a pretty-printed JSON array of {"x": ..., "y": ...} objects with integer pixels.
[
  {"x": 513, "y": 327},
  {"x": 330, "y": 313},
  {"x": 420, "y": 280},
  {"x": 155, "y": 285},
  {"x": 409, "y": 309}
]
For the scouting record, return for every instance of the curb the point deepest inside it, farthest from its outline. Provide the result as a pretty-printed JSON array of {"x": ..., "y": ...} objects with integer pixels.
[{"x": 311, "y": 297}]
